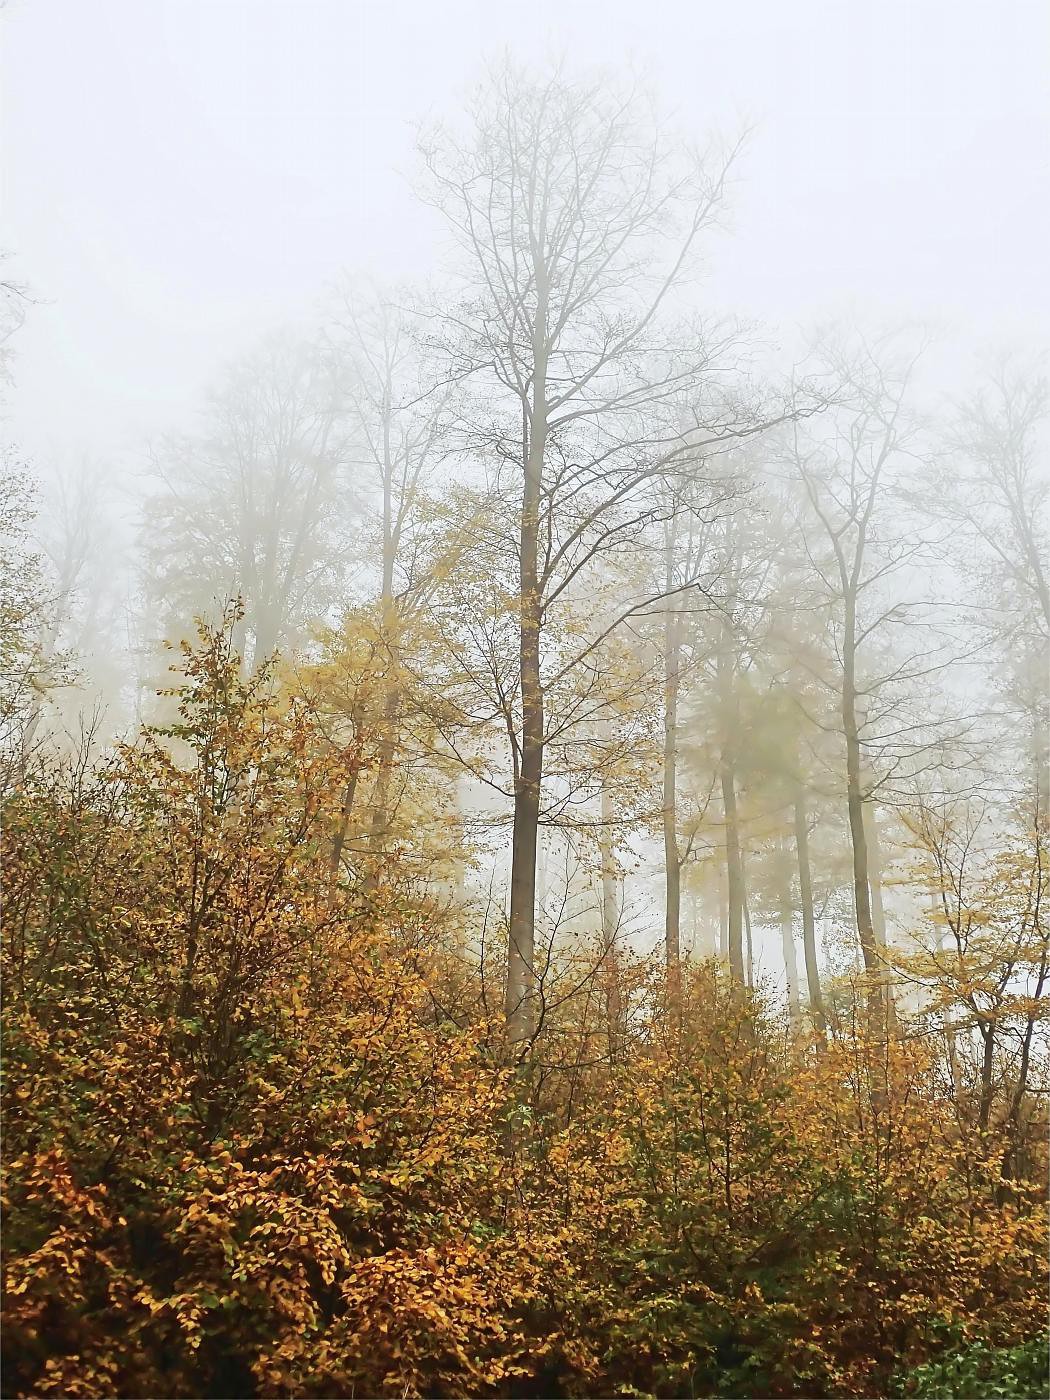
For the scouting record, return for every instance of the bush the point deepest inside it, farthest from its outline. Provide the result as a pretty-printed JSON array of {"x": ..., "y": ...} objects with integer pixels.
[
  {"x": 981, "y": 1372},
  {"x": 263, "y": 1140}
]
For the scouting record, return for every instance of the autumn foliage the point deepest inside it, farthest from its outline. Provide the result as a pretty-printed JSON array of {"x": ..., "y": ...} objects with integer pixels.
[{"x": 264, "y": 1135}]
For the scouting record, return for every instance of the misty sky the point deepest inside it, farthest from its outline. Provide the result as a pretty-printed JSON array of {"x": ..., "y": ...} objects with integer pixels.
[{"x": 179, "y": 175}]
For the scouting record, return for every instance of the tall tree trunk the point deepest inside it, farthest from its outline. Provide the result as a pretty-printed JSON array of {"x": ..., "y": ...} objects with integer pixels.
[
  {"x": 672, "y": 858},
  {"x": 871, "y": 835},
  {"x": 943, "y": 935},
  {"x": 1041, "y": 749},
  {"x": 709, "y": 918},
  {"x": 805, "y": 899},
  {"x": 381, "y": 813},
  {"x": 610, "y": 924},
  {"x": 266, "y": 611},
  {"x": 239, "y": 641},
  {"x": 855, "y": 809},
  {"x": 335, "y": 859},
  {"x": 382, "y": 816},
  {"x": 610, "y": 901},
  {"x": 878, "y": 911},
  {"x": 726, "y": 684},
  {"x": 521, "y": 939},
  {"x": 460, "y": 868},
  {"x": 734, "y": 873},
  {"x": 389, "y": 621},
  {"x": 984, "y": 1107},
  {"x": 390, "y": 625},
  {"x": 522, "y": 933},
  {"x": 787, "y": 929},
  {"x": 265, "y": 640}
]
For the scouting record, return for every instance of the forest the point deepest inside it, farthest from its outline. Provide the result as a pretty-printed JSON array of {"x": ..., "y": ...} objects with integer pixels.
[{"x": 536, "y": 889}]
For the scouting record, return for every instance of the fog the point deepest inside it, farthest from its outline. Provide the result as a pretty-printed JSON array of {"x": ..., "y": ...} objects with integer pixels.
[{"x": 180, "y": 175}]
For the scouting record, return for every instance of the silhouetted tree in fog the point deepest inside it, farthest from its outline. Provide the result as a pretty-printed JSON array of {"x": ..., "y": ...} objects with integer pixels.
[
  {"x": 256, "y": 505},
  {"x": 574, "y": 222}
]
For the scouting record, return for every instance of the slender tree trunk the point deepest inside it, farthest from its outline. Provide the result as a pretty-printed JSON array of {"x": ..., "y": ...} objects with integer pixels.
[
  {"x": 709, "y": 919},
  {"x": 703, "y": 938},
  {"x": 944, "y": 946},
  {"x": 610, "y": 900},
  {"x": 734, "y": 874},
  {"x": 1041, "y": 748},
  {"x": 805, "y": 899},
  {"x": 871, "y": 835},
  {"x": 725, "y": 681},
  {"x": 460, "y": 876},
  {"x": 239, "y": 642},
  {"x": 749, "y": 944},
  {"x": 878, "y": 911},
  {"x": 610, "y": 924},
  {"x": 266, "y": 613},
  {"x": 984, "y": 1111},
  {"x": 28, "y": 735},
  {"x": 335, "y": 859},
  {"x": 787, "y": 929},
  {"x": 265, "y": 642},
  {"x": 389, "y": 621},
  {"x": 855, "y": 809},
  {"x": 390, "y": 624},
  {"x": 672, "y": 858},
  {"x": 382, "y": 816},
  {"x": 543, "y": 877}
]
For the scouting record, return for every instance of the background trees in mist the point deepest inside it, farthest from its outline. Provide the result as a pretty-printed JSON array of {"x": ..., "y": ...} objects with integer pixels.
[{"x": 255, "y": 506}]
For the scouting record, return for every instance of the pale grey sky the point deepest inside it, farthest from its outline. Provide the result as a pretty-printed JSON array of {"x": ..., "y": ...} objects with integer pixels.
[{"x": 181, "y": 174}]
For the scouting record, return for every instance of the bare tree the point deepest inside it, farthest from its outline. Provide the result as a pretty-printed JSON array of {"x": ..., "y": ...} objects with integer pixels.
[
  {"x": 396, "y": 439},
  {"x": 850, "y": 468},
  {"x": 994, "y": 488},
  {"x": 729, "y": 639},
  {"x": 77, "y": 577},
  {"x": 576, "y": 223},
  {"x": 687, "y": 555},
  {"x": 25, "y": 610},
  {"x": 254, "y": 506}
]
